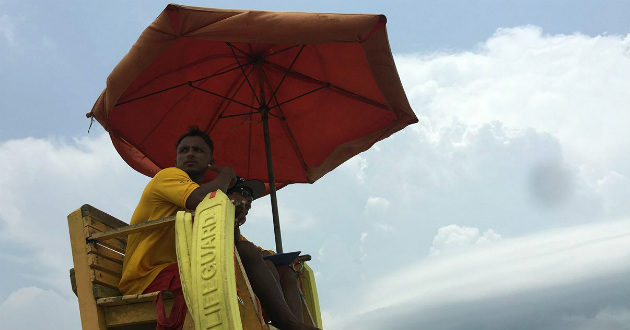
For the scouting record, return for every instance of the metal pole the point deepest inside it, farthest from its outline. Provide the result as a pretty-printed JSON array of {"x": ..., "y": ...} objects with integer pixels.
[{"x": 272, "y": 181}]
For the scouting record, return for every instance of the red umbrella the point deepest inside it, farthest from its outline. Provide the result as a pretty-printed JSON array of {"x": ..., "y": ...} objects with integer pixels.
[{"x": 286, "y": 97}]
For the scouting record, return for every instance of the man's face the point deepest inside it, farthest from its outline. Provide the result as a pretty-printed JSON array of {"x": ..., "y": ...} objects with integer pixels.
[
  {"x": 242, "y": 204},
  {"x": 193, "y": 156}
]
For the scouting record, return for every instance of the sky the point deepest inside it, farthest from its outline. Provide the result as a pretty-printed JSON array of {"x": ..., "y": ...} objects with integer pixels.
[{"x": 505, "y": 207}]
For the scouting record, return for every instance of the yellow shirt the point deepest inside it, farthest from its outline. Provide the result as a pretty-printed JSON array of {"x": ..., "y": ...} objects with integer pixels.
[{"x": 148, "y": 253}]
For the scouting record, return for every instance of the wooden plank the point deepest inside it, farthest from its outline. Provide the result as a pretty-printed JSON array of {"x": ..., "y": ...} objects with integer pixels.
[
  {"x": 114, "y": 244},
  {"x": 89, "y": 210},
  {"x": 92, "y": 317},
  {"x": 127, "y": 299},
  {"x": 102, "y": 291},
  {"x": 96, "y": 223},
  {"x": 140, "y": 313},
  {"x": 92, "y": 227},
  {"x": 132, "y": 299},
  {"x": 104, "y": 264},
  {"x": 132, "y": 229},
  {"x": 104, "y": 252},
  {"x": 104, "y": 278}
]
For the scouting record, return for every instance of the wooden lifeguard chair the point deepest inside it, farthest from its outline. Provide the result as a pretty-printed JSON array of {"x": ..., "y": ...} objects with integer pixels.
[{"x": 98, "y": 242}]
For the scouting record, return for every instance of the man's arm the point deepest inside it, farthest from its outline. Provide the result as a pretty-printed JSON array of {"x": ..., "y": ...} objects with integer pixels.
[{"x": 223, "y": 181}]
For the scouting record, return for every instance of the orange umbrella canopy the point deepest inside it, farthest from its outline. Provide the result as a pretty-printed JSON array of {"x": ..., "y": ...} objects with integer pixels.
[{"x": 326, "y": 82}]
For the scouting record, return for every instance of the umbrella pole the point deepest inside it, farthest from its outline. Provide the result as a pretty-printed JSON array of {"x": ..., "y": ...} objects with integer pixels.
[{"x": 272, "y": 182}]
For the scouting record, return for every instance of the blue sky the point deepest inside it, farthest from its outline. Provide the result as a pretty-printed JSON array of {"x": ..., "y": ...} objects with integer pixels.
[{"x": 506, "y": 206}]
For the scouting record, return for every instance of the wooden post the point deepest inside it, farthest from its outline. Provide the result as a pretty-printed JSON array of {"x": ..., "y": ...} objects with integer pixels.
[{"x": 92, "y": 317}]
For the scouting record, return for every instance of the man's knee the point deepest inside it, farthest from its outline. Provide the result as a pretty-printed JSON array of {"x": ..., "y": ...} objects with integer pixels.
[
  {"x": 287, "y": 275},
  {"x": 247, "y": 250}
]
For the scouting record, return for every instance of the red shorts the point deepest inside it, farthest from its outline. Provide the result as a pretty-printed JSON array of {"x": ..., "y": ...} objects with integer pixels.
[{"x": 168, "y": 280}]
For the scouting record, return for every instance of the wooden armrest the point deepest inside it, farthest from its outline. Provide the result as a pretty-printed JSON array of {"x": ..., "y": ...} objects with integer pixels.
[{"x": 131, "y": 229}]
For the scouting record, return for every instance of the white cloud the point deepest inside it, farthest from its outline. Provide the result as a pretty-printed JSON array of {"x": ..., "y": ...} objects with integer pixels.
[
  {"x": 7, "y": 29},
  {"x": 32, "y": 308},
  {"x": 572, "y": 86},
  {"x": 506, "y": 269},
  {"x": 13, "y": 31},
  {"x": 48, "y": 43},
  {"x": 377, "y": 204},
  {"x": 501, "y": 145},
  {"x": 357, "y": 166},
  {"x": 45, "y": 180},
  {"x": 615, "y": 189},
  {"x": 607, "y": 318},
  {"x": 454, "y": 238}
]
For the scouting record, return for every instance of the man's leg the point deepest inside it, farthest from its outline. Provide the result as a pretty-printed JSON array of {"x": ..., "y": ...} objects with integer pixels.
[
  {"x": 288, "y": 283},
  {"x": 291, "y": 291},
  {"x": 267, "y": 288}
]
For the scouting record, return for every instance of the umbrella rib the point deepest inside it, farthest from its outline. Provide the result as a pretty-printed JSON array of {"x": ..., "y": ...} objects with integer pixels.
[
  {"x": 240, "y": 114},
  {"x": 220, "y": 73},
  {"x": 244, "y": 53},
  {"x": 273, "y": 95},
  {"x": 150, "y": 94},
  {"x": 332, "y": 87},
  {"x": 220, "y": 115},
  {"x": 221, "y": 96},
  {"x": 177, "y": 86},
  {"x": 283, "y": 50},
  {"x": 299, "y": 96},
  {"x": 287, "y": 129},
  {"x": 281, "y": 117},
  {"x": 164, "y": 117},
  {"x": 294, "y": 144},
  {"x": 243, "y": 71}
]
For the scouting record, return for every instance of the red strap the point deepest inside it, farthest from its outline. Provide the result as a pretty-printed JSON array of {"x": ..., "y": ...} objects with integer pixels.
[
  {"x": 168, "y": 280},
  {"x": 175, "y": 321}
]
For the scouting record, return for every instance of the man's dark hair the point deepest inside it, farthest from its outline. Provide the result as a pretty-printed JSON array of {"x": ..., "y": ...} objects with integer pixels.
[{"x": 194, "y": 131}]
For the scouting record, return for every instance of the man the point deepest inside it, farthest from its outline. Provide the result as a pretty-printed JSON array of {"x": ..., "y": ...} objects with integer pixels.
[
  {"x": 276, "y": 287},
  {"x": 150, "y": 262}
]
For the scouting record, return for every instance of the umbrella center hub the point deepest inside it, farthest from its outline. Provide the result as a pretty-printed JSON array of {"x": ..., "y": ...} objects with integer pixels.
[
  {"x": 257, "y": 59},
  {"x": 264, "y": 109}
]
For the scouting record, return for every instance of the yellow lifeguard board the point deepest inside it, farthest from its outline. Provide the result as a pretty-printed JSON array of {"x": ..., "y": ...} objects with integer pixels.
[
  {"x": 206, "y": 260},
  {"x": 205, "y": 253}
]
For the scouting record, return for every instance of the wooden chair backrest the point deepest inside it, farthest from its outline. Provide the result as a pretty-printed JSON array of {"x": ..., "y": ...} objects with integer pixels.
[{"x": 104, "y": 259}]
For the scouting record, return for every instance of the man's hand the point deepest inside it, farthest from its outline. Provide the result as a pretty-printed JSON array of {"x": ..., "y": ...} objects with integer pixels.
[
  {"x": 220, "y": 169},
  {"x": 242, "y": 206},
  {"x": 225, "y": 179}
]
